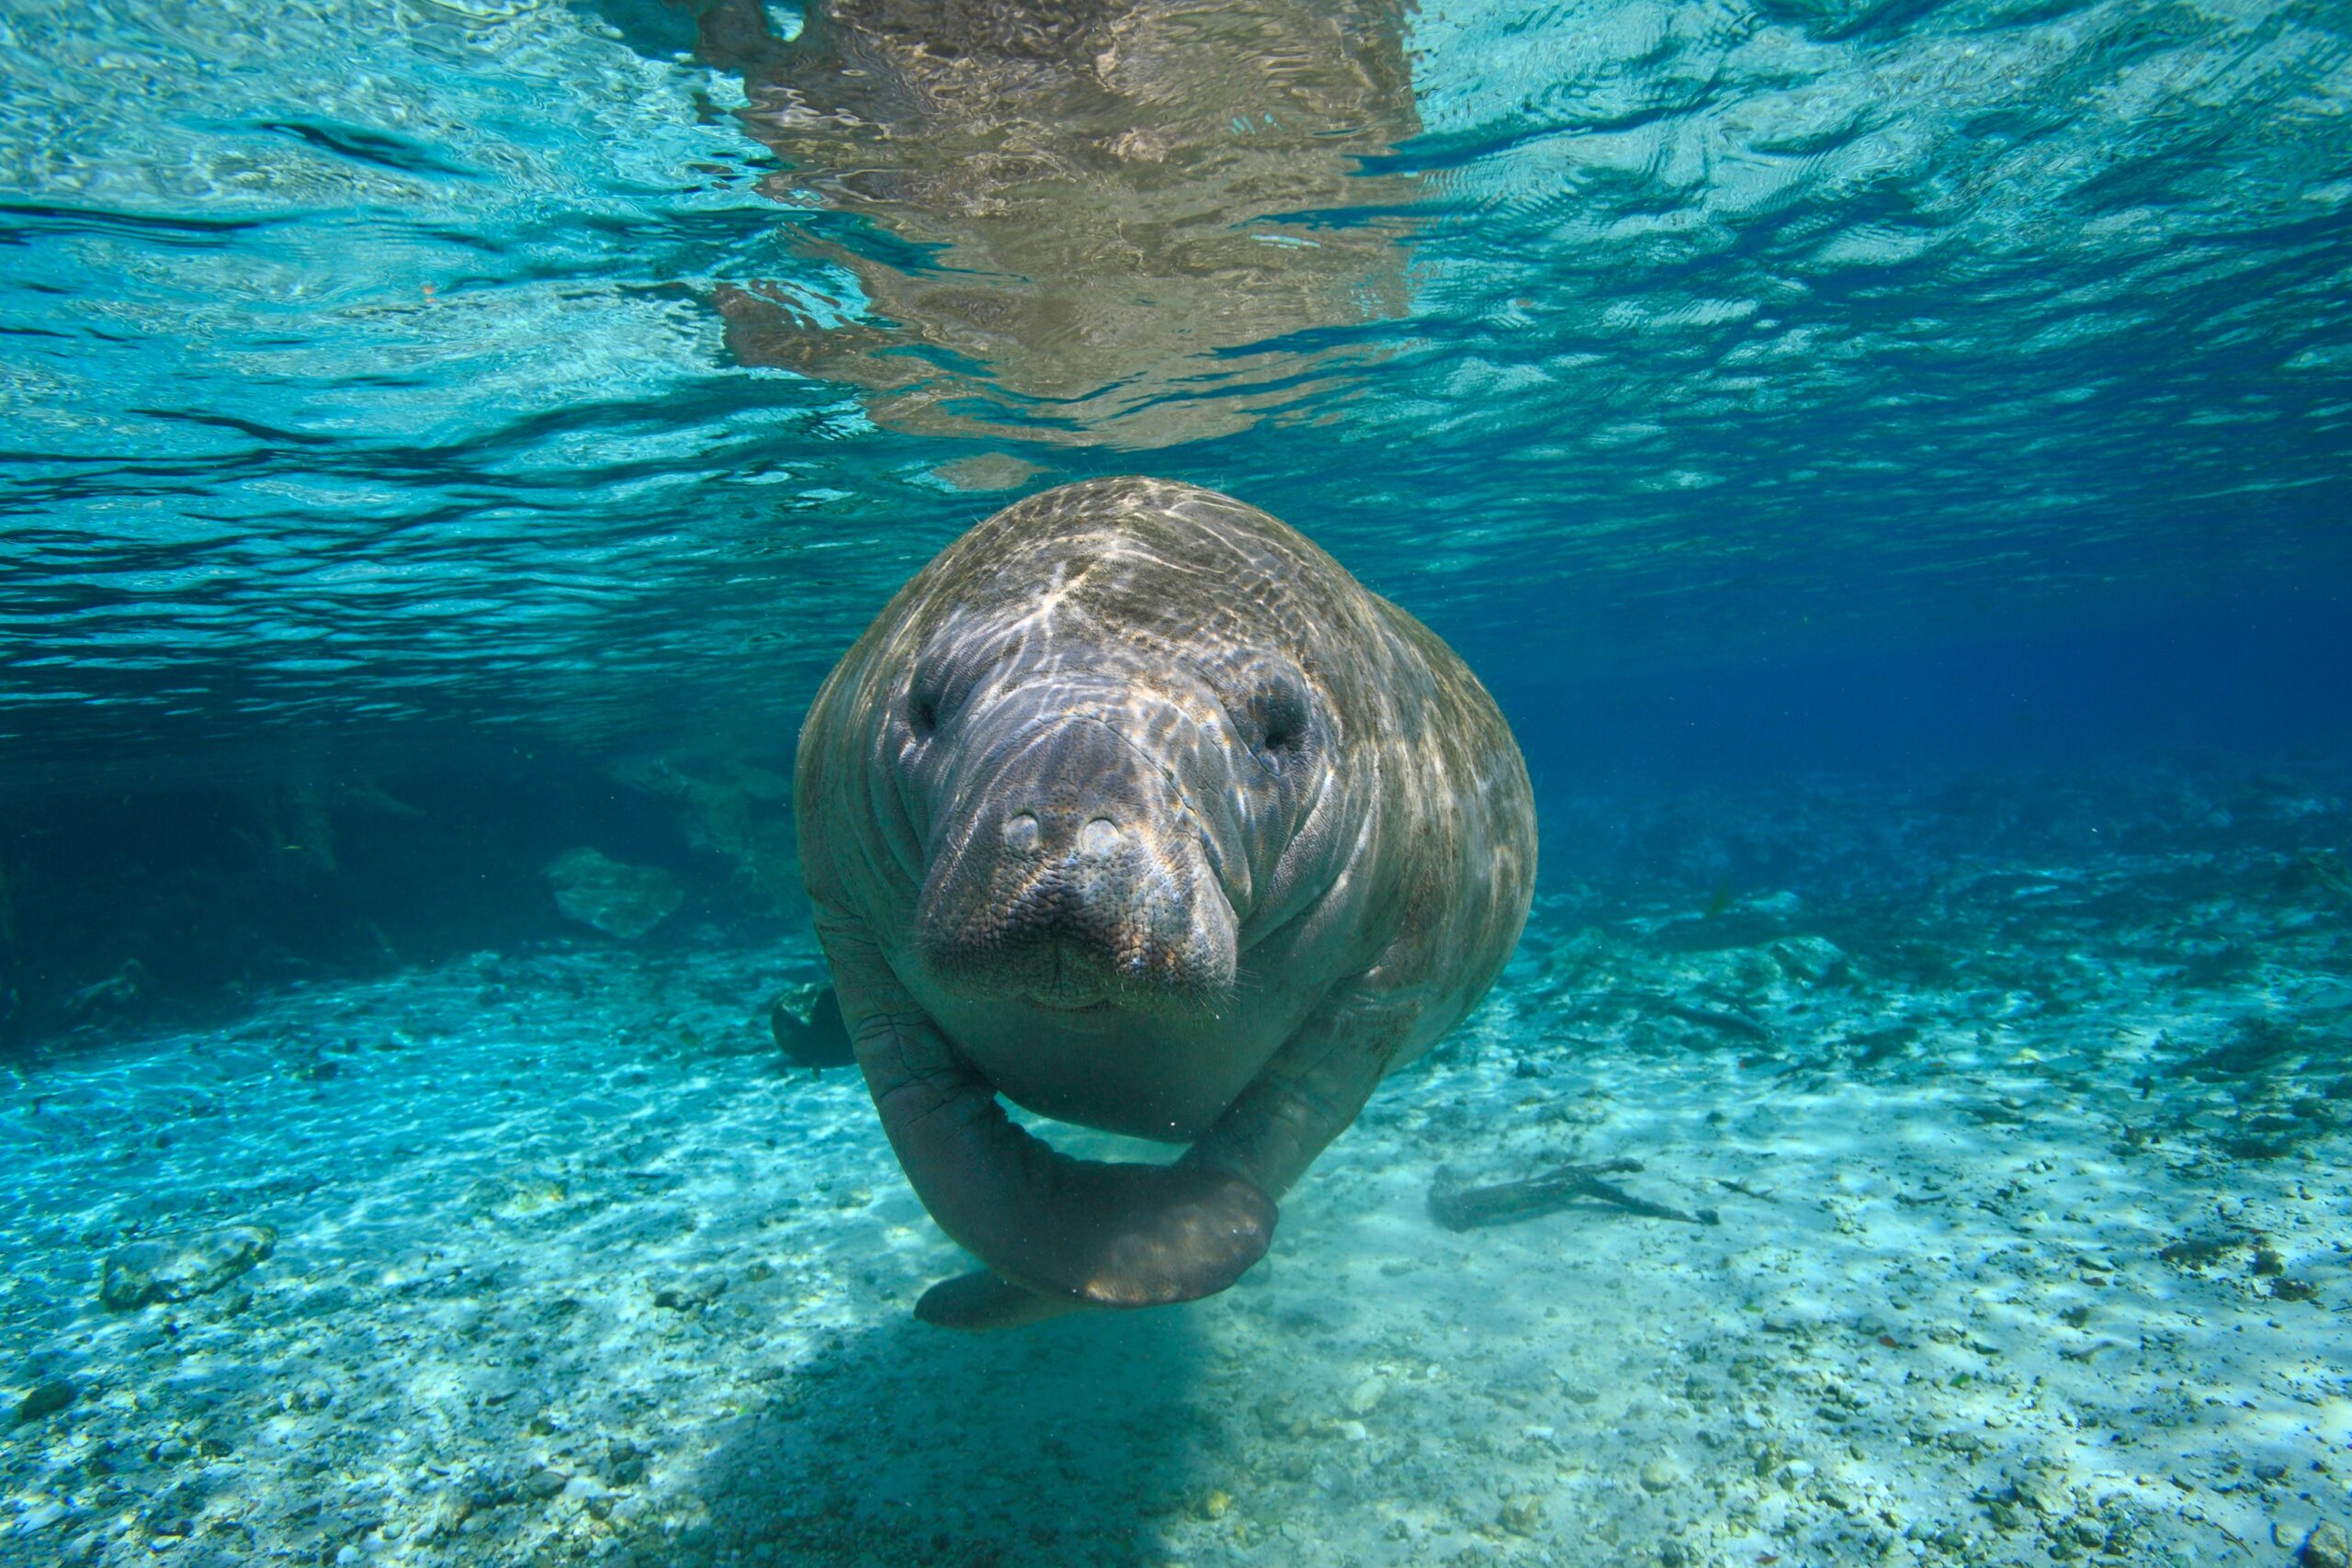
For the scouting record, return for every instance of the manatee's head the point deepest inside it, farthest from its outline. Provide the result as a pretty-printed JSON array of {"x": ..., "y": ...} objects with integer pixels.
[{"x": 1105, "y": 820}]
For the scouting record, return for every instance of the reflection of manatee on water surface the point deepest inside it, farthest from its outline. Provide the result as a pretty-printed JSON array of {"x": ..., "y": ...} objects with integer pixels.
[
  {"x": 1136, "y": 808},
  {"x": 1100, "y": 213}
]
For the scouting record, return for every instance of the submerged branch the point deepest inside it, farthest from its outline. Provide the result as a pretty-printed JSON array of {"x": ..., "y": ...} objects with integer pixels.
[{"x": 1459, "y": 1208}]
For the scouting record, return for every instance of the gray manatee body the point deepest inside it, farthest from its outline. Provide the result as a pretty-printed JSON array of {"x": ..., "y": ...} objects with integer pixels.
[{"x": 1134, "y": 807}]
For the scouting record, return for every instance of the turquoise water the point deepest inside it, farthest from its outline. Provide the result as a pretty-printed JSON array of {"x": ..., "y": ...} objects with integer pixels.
[
  {"x": 1889, "y": 461},
  {"x": 366, "y": 370}
]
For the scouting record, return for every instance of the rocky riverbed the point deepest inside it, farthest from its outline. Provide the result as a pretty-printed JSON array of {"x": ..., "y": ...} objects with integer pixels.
[{"x": 2022, "y": 1120}]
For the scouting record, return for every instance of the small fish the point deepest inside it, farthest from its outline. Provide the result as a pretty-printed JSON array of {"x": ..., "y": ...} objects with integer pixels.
[{"x": 1719, "y": 900}]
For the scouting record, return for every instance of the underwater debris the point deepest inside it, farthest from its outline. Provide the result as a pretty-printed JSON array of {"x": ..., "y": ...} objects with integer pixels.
[
  {"x": 45, "y": 1399},
  {"x": 2321, "y": 868},
  {"x": 2203, "y": 1249},
  {"x": 691, "y": 1295},
  {"x": 2262, "y": 1044},
  {"x": 118, "y": 993},
  {"x": 174, "y": 1269},
  {"x": 1810, "y": 960},
  {"x": 1729, "y": 1023},
  {"x": 1458, "y": 1207},
  {"x": 733, "y": 810},
  {"x": 621, "y": 900},
  {"x": 1875, "y": 1045},
  {"x": 806, "y": 1024}
]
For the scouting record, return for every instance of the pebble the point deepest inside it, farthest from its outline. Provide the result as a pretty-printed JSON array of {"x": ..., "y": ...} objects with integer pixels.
[
  {"x": 691, "y": 1295},
  {"x": 1522, "y": 1516},
  {"x": 1365, "y": 1397},
  {"x": 2326, "y": 1547},
  {"x": 47, "y": 1398},
  {"x": 174, "y": 1269},
  {"x": 1659, "y": 1475},
  {"x": 41, "y": 1515}
]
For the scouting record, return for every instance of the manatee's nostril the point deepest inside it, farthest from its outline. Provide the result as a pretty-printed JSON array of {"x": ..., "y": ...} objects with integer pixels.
[
  {"x": 1020, "y": 833},
  {"x": 1099, "y": 837}
]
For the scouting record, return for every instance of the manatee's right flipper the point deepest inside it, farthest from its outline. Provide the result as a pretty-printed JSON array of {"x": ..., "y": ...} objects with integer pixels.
[
  {"x": 1090, "y": 1233},
  {"x": 1308, "y": 1093}
]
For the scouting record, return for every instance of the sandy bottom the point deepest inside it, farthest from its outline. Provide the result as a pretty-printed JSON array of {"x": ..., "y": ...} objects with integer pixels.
[{"x": 2032, "y": 1245}]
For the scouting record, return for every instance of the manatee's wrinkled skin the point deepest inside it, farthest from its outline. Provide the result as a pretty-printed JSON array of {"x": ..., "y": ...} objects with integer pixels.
[
  {"x": 1108, "y": 207},
  {"x": 1135, "y": 807}
]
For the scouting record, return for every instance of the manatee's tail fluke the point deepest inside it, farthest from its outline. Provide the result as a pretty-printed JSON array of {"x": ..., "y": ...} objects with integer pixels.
[{"x": 980, "y": 1301}]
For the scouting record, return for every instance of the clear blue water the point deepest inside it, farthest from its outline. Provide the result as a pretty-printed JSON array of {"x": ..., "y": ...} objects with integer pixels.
[
  {"x": 365, "y": 371},
  {"x": 1891, "y": 461}
]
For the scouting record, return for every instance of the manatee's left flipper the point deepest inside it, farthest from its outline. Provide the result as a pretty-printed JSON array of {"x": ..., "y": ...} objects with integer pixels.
[{"x": 1308, "y": 1093}]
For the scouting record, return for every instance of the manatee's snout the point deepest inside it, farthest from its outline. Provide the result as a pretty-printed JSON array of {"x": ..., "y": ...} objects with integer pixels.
[{"x": 1070, "y": 870}]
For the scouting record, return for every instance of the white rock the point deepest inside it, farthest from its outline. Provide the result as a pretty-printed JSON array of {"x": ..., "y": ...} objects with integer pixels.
[{"x": 41, "y": 1515}]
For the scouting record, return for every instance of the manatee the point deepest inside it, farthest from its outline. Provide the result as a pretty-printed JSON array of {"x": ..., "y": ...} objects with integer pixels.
[{"x": 1136, "y": 808}]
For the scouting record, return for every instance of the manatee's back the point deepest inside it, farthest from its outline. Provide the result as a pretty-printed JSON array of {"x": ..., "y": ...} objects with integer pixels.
[{"x": 1470, "y": 875}]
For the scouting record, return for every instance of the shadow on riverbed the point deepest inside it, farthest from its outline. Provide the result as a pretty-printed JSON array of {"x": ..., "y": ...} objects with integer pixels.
[{"x": 1063, "y": 1444}]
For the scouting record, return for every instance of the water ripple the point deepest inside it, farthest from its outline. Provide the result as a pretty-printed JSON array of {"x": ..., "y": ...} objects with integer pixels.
[{"x": 368, "y": 371}]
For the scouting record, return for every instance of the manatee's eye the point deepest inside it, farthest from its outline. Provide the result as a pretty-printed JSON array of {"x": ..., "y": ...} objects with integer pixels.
[
  {"x": 922, "y": 712},
  {"x": 924, "y": 695},
  {"x": 944, "y": 679},
  {"x": 1280, "y": 708}
]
